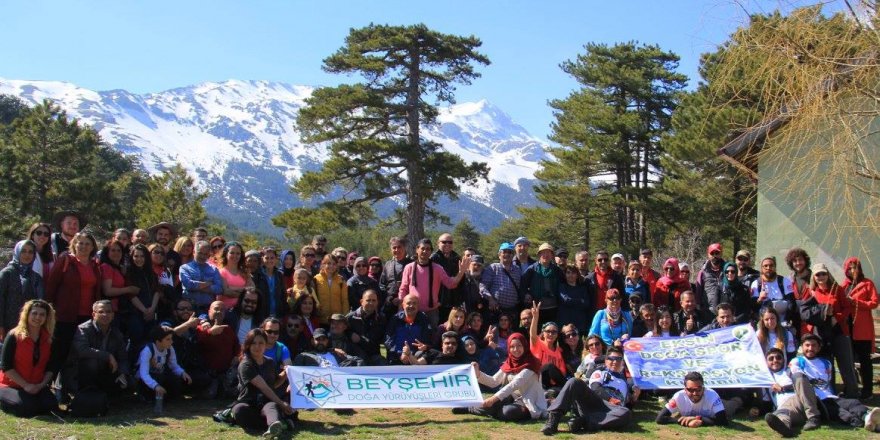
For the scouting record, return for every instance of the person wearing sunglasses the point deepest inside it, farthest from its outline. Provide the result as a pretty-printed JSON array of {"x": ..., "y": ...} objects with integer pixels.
[
  {"x": 446, "y": 257},
  {"x": 572, "y": 346},
  {"x": 735, "y": 293},
  {"x": 694, "y": 406},
  {"x": 773, "y": 397},
  {"x": 39, "y": 233},
  {"x": 359, "y": 283},
  {"x": 744, "y": 269},
  {"x": 246, "y": 314},
  {"x": 814, "y": 388},
  {"x": 670, "y": 286},
  {"x": 604, "y": 278},
  {"x": 601, "y": 402},
  {"x": 612, "y": 324},
  {"x": 826, "y": 313}
]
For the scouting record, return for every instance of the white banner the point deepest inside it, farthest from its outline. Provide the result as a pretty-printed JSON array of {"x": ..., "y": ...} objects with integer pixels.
[{"x": 416, "y": 386}]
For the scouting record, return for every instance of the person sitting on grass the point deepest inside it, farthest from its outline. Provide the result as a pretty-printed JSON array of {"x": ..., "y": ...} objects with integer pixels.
[
  {"x": 25, "y": 371},
  {"x": 694, "y": 406},
  {"x": 814, "y": 387},
  {"x": 545, "y": 347},
  {"x": 601, "y": 402},
  {"x": 449, "y": 354},
  {"x": 520, "y": 396},
  {"x": 774, "y": 397},
  {"x": 101, "y": 359},
  {"x": 159, "y": 376},
  {"x": 258, "y": 405}
]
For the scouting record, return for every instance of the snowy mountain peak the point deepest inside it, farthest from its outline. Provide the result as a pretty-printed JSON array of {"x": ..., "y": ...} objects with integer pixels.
[{"x": 238, "y": 139}]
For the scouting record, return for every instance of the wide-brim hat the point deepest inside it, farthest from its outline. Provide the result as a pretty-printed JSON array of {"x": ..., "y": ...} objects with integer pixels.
[
  {"x": 60, "y": 215},
  {"x": 152, "y": 229},
  {"x": 545, "y": 247}
]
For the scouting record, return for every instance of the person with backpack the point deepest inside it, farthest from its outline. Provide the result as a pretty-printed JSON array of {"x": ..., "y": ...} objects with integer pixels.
[{"x": 159, "y": 376}]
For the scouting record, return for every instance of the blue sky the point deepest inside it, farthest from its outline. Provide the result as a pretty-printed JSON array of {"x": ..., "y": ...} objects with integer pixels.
[{"x": 150, "y": 46}]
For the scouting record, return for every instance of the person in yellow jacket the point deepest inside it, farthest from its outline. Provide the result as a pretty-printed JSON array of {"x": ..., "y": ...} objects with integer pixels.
[{"x": 332, "y": 289}]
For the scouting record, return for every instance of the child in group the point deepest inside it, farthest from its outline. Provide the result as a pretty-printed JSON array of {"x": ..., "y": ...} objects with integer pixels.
[{"x": 159, "y": 375}]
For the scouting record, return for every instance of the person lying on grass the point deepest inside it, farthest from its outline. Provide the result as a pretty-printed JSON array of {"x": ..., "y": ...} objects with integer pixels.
[{"x": 694, "y": 406}]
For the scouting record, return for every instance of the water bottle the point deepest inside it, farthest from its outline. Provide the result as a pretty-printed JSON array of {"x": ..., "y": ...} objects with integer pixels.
[{"x": 157, "y": 406}]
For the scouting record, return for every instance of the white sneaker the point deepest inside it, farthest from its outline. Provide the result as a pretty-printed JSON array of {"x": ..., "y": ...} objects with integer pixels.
[
  {"x": 274, "y": 429},
  {"x": 872, "y": 419}
]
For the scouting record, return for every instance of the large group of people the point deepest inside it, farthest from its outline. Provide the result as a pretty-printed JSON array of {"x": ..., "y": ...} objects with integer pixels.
[{"x": 162, "y": 315}]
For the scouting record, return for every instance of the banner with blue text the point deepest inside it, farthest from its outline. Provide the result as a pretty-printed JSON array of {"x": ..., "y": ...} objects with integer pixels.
[
  {"x": 729, "y": 357},
  {"x": 428, "y": 386}
]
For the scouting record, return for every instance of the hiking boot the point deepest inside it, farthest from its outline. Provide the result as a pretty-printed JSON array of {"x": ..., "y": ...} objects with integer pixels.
[
  {"x": 812, "y": 424},
  {"x": 580, "y": 424},
  {"x": 754, "y": 413},
  {"x": 552, "y": 425},
  {"x": 776, "y": 424},
  {"x": 872, "y": 420},
  {"x": 460, "y": 410}
]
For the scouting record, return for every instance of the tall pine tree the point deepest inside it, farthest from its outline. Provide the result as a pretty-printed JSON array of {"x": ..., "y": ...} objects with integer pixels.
[
  {"x": 172, "y": 197},
  {"x": 374, "y": 128}
]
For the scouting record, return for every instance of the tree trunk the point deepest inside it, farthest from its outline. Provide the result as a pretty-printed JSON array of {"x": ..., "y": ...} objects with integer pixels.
[
  {"x": 415, "y": 208},
  {"x": 586, "y": 228}
]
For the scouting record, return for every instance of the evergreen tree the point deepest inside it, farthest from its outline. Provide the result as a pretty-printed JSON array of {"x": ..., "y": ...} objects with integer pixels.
[
  {"x": 374, "y": 128},
  {"x": 608, "y": 134},
  {"x": 466, "y": 235},
  {"x": 172, "y": 197}
]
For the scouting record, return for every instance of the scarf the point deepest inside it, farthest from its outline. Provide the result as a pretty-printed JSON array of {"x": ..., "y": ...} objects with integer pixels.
[
  {"x": 545, "y": 283},
  {"x": 527, "y": 361},
  {"x": 430, "y": 269},
  {"x": 25, "y": 271},
  {"x": 284, "y": 254}
]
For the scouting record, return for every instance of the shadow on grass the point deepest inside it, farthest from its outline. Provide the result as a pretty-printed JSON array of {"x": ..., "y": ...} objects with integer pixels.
[{"x": 129, "y": 412}]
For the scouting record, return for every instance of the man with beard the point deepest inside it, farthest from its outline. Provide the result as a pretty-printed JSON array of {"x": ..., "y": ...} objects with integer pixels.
[
  {"x": 408, "y": 328},
  {"x": 322, "y": 355},
  {"x": 102, "y": 358},
  {"x": 449, "y": 354},
  {"x": 164, "y": 234},
  {"x": 69, "y": 223},
  {"x": 340, "y": 339},
  {"x": 294, "y": 337},
  {"x": 646, "y": 257},
  {"x": 425, "y": 278},
  {"x": 694, "y": 406},
  {"x": 604, "y": 278},
  {"x": 708, "y": 280},
  {"x": 389, "y": 280},
  {"x": 523, "y": 260},
  {"x": 184, "y": 322},
  {"x": 201, "y": 282},
  {"x": 732, "y": 398},
  {"x": 219, "y": 349},
  {"x": 525, "y": 321},
  {"x": 799, "y": 263},
  {"x": 601, "y": 401},
  {"x": 772, "y": 290},
  {"x": 319, "y": 242},
  {"x": 449, "y": 260},
  {"x": 245, "y": 316},
  {"x": 500, "y": 283},
  {"x": 199, "y": 234},
  {"x": 367, "y": 327},
  {"x": 813, "y": 384},
  {"x": 744, "y": 270},
  {"x": 470, "y": 288}
]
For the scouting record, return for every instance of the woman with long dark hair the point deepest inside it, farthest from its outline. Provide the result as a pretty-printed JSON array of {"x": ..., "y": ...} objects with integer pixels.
[
  {"x": 113, "y": 283},
  {"x": 40, "y": 233},
  {"x": 545, "y": 346},
  {"x": 25, "y": 370},
  {"x": 234, "y": 274},
  {"x": 145, "y": 302},
  {"x": 862, "y": 296},
  {"x": 257, "y": 405}
]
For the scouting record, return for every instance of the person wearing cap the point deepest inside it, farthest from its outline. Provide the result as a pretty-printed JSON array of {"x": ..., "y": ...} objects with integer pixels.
[
  {"x": 470, "y": 289},
  {"x": 708, "y": 282},
  {"x": 500, "y": 284},
  {"x": 646, "y": 258},
  {"x": 68, "y": 223},
  {"x": 522, "y": 259},
  {"x": 826, "y": 312},
  {"x": 814, "y": 385},
  {"x": 409, "y": 329},
  {"x": 561, "y": 257},
  {"x": 744, "y": 269},
  {"x": 340, "y": 338},
  {"x": 424, "y": 278},
  {"x": 604, "y": 278},
  {"x": 540, "y": 283},
  {"x": 392, "y": 275},
  {"x": 449, "y": 260},
  {"x": 618, "y": 264},
  {"x": 323, "y": 354},
  {"x": 359, "y": 283},
  {"x": 367, "y": 327},
  {"x": 772, "y": 290}
]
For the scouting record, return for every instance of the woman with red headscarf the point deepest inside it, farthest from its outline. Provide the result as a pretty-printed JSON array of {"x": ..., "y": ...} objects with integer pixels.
[
  {"x": 521, "y": 396},
  {"x": 670, "y": 286},
  {"x": 862, "y": 295}
]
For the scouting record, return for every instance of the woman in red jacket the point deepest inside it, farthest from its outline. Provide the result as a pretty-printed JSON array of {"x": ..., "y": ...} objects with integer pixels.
[
  {"x": 25, "y": 372},
  {"x": 862, "y": 295},
  {"x": 73, "y": 286}
]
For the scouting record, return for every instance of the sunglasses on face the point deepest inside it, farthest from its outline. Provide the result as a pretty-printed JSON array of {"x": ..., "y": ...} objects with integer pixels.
[
  {"x": 614, "y": 358},
  {"x": 731, "y": 272},
  {"x": 271, "y": 332},
  {"x": 39, "y": 233},
  {"x": 668, "y": 269},
  {"x": 571, "y": 335},
  {"x": 601, "y": 260},
  {"x": 694, "y": 390},
  {"x": 218, "y": 246},
  {"x": 375, "y": 265},
  {"x": 742, "y": 258},
  {"x": 774, "y": 358},
  {"x": 446, "y": 241},
  {"x": 551, "y": 332},
  {"x": 309, "y": 255}
]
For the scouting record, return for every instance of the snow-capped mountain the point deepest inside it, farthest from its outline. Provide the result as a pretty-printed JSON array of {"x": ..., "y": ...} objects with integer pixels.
[{"x": 238, "y": 139}]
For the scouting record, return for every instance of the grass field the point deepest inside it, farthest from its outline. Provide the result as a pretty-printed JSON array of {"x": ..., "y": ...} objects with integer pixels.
[{"x": 191, "y": 419}]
